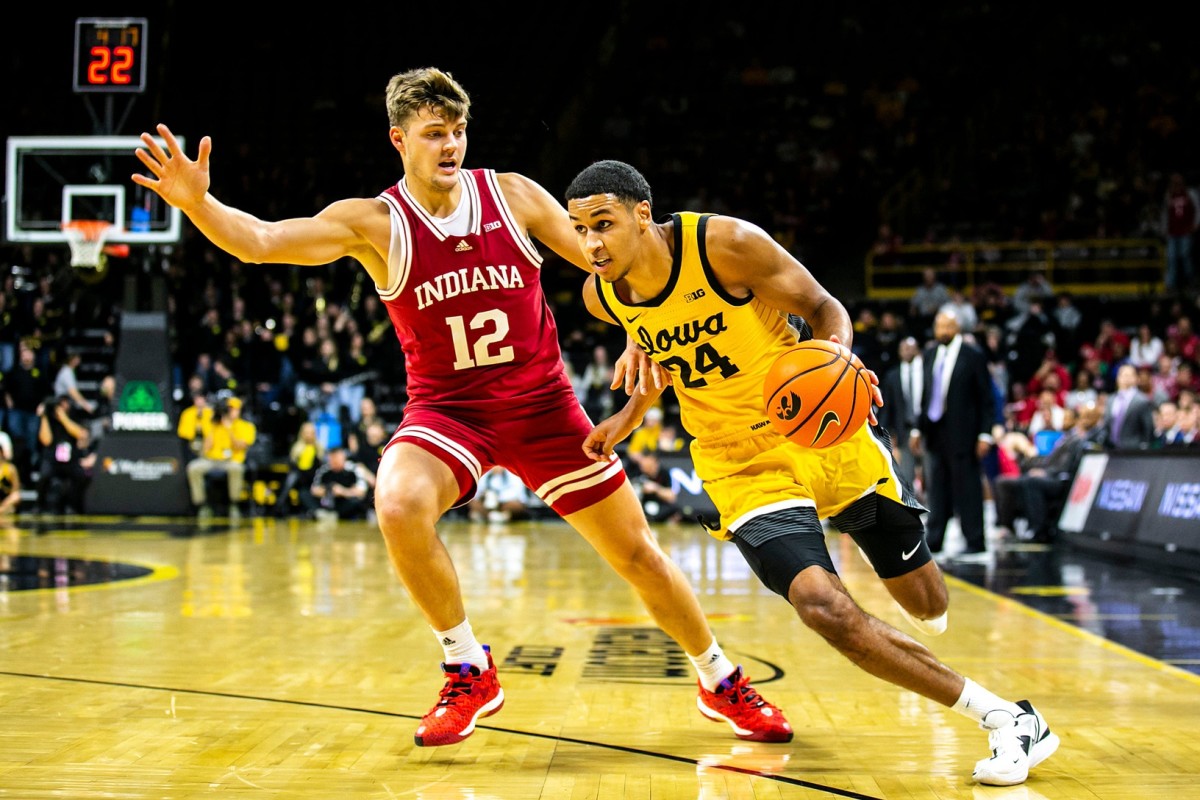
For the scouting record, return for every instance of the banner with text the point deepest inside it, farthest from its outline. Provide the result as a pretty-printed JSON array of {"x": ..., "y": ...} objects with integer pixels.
[
  {"x": 1147, "y": 500},
  {"x": 139, "y": 465}
]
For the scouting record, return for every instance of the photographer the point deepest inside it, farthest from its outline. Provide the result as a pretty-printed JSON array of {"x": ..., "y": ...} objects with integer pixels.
[
  {"x": 653, "y": 485},
  {"x": 62, "y": 477},
  {"x": 340, "y": 487},
  {"x": 227, "y": 437}
]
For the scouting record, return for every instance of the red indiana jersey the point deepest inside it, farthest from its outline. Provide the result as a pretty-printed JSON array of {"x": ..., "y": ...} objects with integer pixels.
[{"x": 473, "y": 322}]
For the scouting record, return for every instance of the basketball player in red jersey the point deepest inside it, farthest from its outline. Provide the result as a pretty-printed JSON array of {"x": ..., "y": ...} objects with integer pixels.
[{"x": 451, "y": 254}]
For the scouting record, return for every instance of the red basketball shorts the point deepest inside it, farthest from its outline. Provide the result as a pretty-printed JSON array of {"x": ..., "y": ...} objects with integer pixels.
[{"x": 541, "y": 443}]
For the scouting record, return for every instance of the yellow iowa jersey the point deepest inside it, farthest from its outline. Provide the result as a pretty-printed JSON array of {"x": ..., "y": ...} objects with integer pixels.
[{"x": 717, "y": 347}]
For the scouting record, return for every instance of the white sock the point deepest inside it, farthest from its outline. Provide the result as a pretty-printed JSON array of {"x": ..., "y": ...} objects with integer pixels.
[
  {"x": 460, "y": 647},
  {"x": 713, "y": 666},
  {"x": 929, "y": 627},
  {"x": 987, "y": 709}
]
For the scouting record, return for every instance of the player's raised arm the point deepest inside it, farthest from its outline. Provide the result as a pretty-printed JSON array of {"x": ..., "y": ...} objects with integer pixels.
[{"x": 184, "y": 183}]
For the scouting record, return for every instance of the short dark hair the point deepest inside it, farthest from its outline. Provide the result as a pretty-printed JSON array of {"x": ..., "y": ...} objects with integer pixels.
[{"x": 611, "y": 177}]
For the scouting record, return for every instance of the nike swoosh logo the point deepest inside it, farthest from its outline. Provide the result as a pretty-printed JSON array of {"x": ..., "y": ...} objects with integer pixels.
[
  {"x": 830, "y": 418},
  {"x": 634, "y": 317},
  {"x": 910, "y": 553}
]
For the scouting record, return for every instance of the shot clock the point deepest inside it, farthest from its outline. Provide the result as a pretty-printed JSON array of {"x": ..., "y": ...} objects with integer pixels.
[{"x": 110, "y": 54}]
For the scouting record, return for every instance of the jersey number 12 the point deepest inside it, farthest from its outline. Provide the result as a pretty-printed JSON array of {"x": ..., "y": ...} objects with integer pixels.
[{"x": 481, "y": 354}]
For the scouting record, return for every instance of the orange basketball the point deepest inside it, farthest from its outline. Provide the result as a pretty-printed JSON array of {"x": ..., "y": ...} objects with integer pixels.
[{"x": 817, "y": 394}]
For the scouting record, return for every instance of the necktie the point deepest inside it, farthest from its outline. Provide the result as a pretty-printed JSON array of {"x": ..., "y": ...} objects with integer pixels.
[
  {"x": 906, "y": 388},
  {"x": 918, "y": 380},
  {"x": 936, "y": 404},
  {"x": 1121, "y": 403}
]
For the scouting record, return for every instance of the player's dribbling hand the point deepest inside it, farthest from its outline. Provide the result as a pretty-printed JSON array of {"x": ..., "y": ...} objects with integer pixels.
[
  {"x": 876, "y": 392},
  {"x": 178, "y": 179}
]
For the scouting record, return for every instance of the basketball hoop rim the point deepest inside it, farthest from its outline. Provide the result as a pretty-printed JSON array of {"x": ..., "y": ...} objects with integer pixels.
[
  {"x": 86, "y": 238},
  {"x": 91, "y": 229}
]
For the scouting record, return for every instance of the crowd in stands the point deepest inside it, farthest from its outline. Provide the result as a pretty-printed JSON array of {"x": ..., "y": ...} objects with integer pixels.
[
  {"x": 829, "y": 149},
  {"x": 304, "y": 353}
]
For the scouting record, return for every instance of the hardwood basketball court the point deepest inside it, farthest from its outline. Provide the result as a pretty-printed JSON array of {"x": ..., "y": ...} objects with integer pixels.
[{"x": 154, "y": 658}]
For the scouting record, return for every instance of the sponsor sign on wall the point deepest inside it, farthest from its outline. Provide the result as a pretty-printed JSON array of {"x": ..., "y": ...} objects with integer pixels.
[{"x": 139, "y": 464}]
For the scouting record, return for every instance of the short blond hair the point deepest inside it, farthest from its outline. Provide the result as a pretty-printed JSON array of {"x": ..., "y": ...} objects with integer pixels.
[{"x": 426, "y": 87}]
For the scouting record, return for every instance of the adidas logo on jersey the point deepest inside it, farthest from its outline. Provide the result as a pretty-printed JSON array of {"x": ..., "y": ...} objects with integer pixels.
[{"x": 462, "y": 246}]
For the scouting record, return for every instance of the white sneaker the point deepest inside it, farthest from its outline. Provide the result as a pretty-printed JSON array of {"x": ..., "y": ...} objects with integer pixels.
[{"x": 1016, "y": 749}]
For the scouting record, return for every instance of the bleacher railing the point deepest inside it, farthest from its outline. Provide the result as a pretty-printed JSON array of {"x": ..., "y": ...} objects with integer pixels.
[{"x": 1111, "y": 267}]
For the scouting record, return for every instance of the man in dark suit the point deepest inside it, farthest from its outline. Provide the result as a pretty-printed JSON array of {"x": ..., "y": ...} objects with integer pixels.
[
  {"x": 954, "y": 431},
  {"x": 902, "y": 387},
  {"x": 1128, "y": 414}
]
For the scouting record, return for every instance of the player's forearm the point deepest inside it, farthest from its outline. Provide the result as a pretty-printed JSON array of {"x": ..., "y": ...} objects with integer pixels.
[
  {"x": 830, "y": 318},
  {"x": 634, "y": 410},
  {"x": 235, "y": 231}
]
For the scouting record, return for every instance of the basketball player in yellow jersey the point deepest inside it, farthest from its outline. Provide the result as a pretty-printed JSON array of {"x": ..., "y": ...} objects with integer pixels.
[{"x": 708, "y": 298}]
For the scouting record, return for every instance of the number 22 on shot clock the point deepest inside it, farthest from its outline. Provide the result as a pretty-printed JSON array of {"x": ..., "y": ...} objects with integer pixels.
[{"x": 110, "y": 54}]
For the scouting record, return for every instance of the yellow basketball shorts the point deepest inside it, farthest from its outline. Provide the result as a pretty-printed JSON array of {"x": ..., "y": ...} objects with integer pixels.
[{"x": 748, "y": 476}]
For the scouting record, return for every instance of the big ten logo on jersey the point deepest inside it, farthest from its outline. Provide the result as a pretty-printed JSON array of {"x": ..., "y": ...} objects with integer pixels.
[{"x": 696, "y": 295}]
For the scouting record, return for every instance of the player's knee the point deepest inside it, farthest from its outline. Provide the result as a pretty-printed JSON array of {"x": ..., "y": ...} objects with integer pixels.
[
  {"x": 936, "y": 603},
  {"x": 399, "y": 506},
  {"x": 643, "y": 564},
  {"x": 825, "y": 610},
  {"x": 928, "y": 598}
]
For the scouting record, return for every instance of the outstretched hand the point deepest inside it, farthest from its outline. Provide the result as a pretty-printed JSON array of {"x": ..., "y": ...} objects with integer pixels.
[
  {"x": 876, "y": 392},
  {"x": 177, "y": 179}
]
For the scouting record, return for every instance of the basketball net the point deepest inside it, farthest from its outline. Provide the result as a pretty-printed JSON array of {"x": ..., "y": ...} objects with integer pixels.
[{"x": 87, "y": 239}]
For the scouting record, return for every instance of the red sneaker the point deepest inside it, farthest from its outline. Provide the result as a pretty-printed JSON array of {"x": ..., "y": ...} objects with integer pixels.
[
  {"x": 735, "y": 701},
  {"x": 469, "y": 695}
]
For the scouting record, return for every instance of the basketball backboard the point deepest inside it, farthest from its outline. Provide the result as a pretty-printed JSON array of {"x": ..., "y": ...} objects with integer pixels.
[{"x": 51, "y": 180}]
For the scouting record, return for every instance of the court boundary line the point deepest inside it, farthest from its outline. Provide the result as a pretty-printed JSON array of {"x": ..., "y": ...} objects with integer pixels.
[
  {"x": 832, "y": 790},
  {"x": 1094, "y": 638}
]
